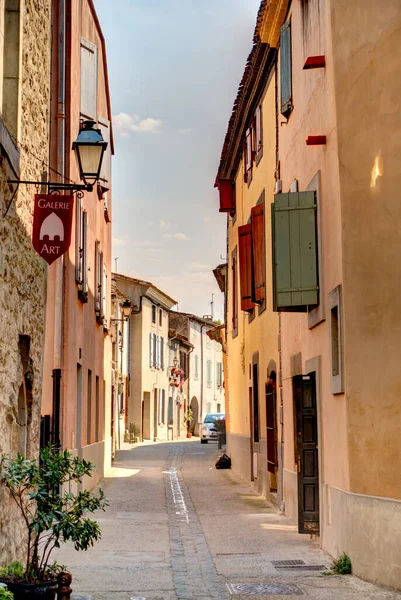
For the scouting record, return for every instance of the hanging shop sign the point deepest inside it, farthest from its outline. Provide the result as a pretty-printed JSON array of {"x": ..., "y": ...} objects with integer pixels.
[{"x": 52, "y": 224}]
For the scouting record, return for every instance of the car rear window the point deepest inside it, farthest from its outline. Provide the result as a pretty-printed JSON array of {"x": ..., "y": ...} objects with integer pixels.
[{"x": 213, "y": 418}]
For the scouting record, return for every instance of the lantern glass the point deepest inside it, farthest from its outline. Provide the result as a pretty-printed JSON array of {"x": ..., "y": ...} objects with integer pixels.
[
  {"x": 126, "y": 307},
  {"x": 175, "y": 361},
  {"x": 89, "y": 149}
]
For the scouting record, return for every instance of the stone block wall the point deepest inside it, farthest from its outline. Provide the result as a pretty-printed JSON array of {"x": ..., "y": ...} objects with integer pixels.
[{"x": 23, "y": 273}]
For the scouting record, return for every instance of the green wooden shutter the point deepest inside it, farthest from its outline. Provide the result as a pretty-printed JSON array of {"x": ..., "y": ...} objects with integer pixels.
[
  {"x": 285, "y": 70},
  {"x": 294, "y": 245}
]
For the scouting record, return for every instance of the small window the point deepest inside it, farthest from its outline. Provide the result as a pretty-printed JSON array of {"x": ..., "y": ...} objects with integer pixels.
[
  {"x": 209, "y": 373},
  {"x": 218, "y": 408},
  {"x": 219, "y": 374},
  {"x": 258, "y": 134},
  {"x": 285, "y": 70},
  {"x": 89, "y": 79},
  {"x": 81, "y": 236},
  {"x": 153, "y": 313},
  {"x": 336, "y": 341},
  {"x": 160, "y": 317}
]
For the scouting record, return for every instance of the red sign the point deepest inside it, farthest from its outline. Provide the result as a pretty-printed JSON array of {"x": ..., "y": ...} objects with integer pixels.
[{"x": 52, "y": 223}]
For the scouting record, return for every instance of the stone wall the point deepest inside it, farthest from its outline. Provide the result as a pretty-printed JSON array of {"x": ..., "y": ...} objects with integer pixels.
[{"x": 22, "y": 272}]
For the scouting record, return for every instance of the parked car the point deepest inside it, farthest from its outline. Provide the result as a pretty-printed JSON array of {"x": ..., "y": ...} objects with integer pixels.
[{"x": 208, "y": 430}]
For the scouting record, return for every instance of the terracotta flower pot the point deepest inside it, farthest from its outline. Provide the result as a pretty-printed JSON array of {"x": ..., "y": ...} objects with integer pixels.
[{"x": 189, "y": 435}]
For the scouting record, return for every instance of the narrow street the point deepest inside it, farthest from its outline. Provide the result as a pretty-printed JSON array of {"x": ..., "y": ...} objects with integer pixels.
[{"x": 177, "y": 528}]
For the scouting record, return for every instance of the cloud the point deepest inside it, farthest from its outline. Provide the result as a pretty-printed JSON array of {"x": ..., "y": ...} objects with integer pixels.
[
  {"x": 177, "y": 236},
  {"x": 125, "y": 242},
  {"x": 125, "y": 124}
]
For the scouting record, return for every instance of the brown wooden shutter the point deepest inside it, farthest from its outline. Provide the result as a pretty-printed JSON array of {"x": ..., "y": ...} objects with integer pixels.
[
  {"x": 245, "y": 266},
  {"x": 227, "y": 196},
  {"x": 234, "y": 291},
  {"x": 259, "y": 252}
]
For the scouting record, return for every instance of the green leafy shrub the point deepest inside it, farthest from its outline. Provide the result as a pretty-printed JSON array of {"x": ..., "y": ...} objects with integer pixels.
[
  {"x": 342, "y": 565},
  {"x": 52, "y": 515}
]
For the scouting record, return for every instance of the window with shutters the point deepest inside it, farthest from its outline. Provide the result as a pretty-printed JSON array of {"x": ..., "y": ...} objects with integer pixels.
[
  {"x": 258, "y": 134},
  {"x": 245, "y": 266},
  {"x": 294, "y": 252},
  {"x": 89, "y": 66},
  {"x": 219, "y": 374},
  {"x": 196, "y": 366},
  {"x": 162, "y": 353},
  {"x": 209, "y": 373},
  {"x": 234, "y": 292},
  {"x": 105, "y": 170},
  {"x": 151, "y": 350},
  {"x": 248, "y": 156},
  {"x": 81, "y": 250},
  {"x": 104, "y": 292},
  {"x": 259, "y": 252},
  {"x": 286, "y": 103},
  {"x": 157, "y": 351},
  {"x": 99, "y": 273},
  {"x": 153, "y": 313}
]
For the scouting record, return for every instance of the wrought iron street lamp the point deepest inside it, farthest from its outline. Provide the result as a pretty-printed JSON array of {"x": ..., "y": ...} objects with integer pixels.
[
  {"x": 126, "y": 308},
  {"x": 89, "y": 148}
]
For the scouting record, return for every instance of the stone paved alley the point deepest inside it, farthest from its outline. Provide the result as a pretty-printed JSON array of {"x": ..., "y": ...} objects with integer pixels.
[{"x": 177, "y": 528}]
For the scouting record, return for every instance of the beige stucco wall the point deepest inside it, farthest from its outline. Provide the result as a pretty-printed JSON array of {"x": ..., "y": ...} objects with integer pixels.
[
  {"x": 260, "y": 335},
  {"x": 22, "y": 272}
]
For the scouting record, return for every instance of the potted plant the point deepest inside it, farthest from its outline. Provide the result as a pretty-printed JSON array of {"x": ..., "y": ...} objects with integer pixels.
[
  {"x": 51, "y": 514},
  {"x": 189, "y": 417},
  {"x": 5, "y": 594}
]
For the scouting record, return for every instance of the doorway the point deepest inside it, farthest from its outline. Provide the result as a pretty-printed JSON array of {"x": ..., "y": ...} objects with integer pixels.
[
  {"x": 307, "y": 459},
  {"x": 146, "y": 416},
  {"x": 271, "y": 429}
]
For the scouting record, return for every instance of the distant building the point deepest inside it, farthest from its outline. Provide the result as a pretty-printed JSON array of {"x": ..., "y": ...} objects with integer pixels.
[
  {"x": 24, "y": 148},
  {"x": 143, "y": 404},
  {"x": 206, "y": 379}
]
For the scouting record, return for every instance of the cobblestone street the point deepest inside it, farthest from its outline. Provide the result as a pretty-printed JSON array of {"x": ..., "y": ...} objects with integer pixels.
[{"x": 177, "y": 528}]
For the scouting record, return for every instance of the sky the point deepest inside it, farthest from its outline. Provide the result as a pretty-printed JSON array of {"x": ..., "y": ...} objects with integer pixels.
[{"x": 174, "y": 70}]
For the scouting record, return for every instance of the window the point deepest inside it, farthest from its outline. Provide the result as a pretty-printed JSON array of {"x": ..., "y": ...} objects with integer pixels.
[
  {"x": 183, "y": 363},
  {"x": 218, "y": 408},
  {"x": 336, "y": 341},
  {"x": 196, "y": 366},
  {"x": 285, "y": 70},
  {"x": 153, "y": 313},
  {"x": 255, "y": 371},
  {"x": 160, "y": 317},
  {"x": 258, "y": 252},
  {"x": 81, "y": 249},
  {"x": 245, "y": 265},
  {"x": 258, "y": 134},
  {"x": 152, "y": 355},
  {"x": 89, "y": 408},
  {"x": 88, "y": 79},
  {"x": 162, "y": 353},
  {"x": 248, "y": 156},
  {"x": 295, "y": 256},
  {"x": 219, "y": 374},
  {"x": 10, "y": 50},
  {"x": 234, "y": 298},
  {"x": 99, "y": 274},
  {"x": 209, "y": 373}
]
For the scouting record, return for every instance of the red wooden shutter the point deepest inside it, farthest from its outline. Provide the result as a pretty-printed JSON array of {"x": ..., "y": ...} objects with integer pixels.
[
  {"x": 227, "y": 196},
  {"x": 235, "y": 291},
  {"x": 259, "y": 253},
  {"x": 245, "y": 266}
]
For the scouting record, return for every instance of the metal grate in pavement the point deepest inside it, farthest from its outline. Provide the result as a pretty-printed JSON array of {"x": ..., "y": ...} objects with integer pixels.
[
  {"x": 287, "y": 563},
  {"x": 264, "y": 589}
]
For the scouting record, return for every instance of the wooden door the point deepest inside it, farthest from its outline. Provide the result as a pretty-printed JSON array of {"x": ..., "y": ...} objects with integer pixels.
[{"x": 307, "y": 453}]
